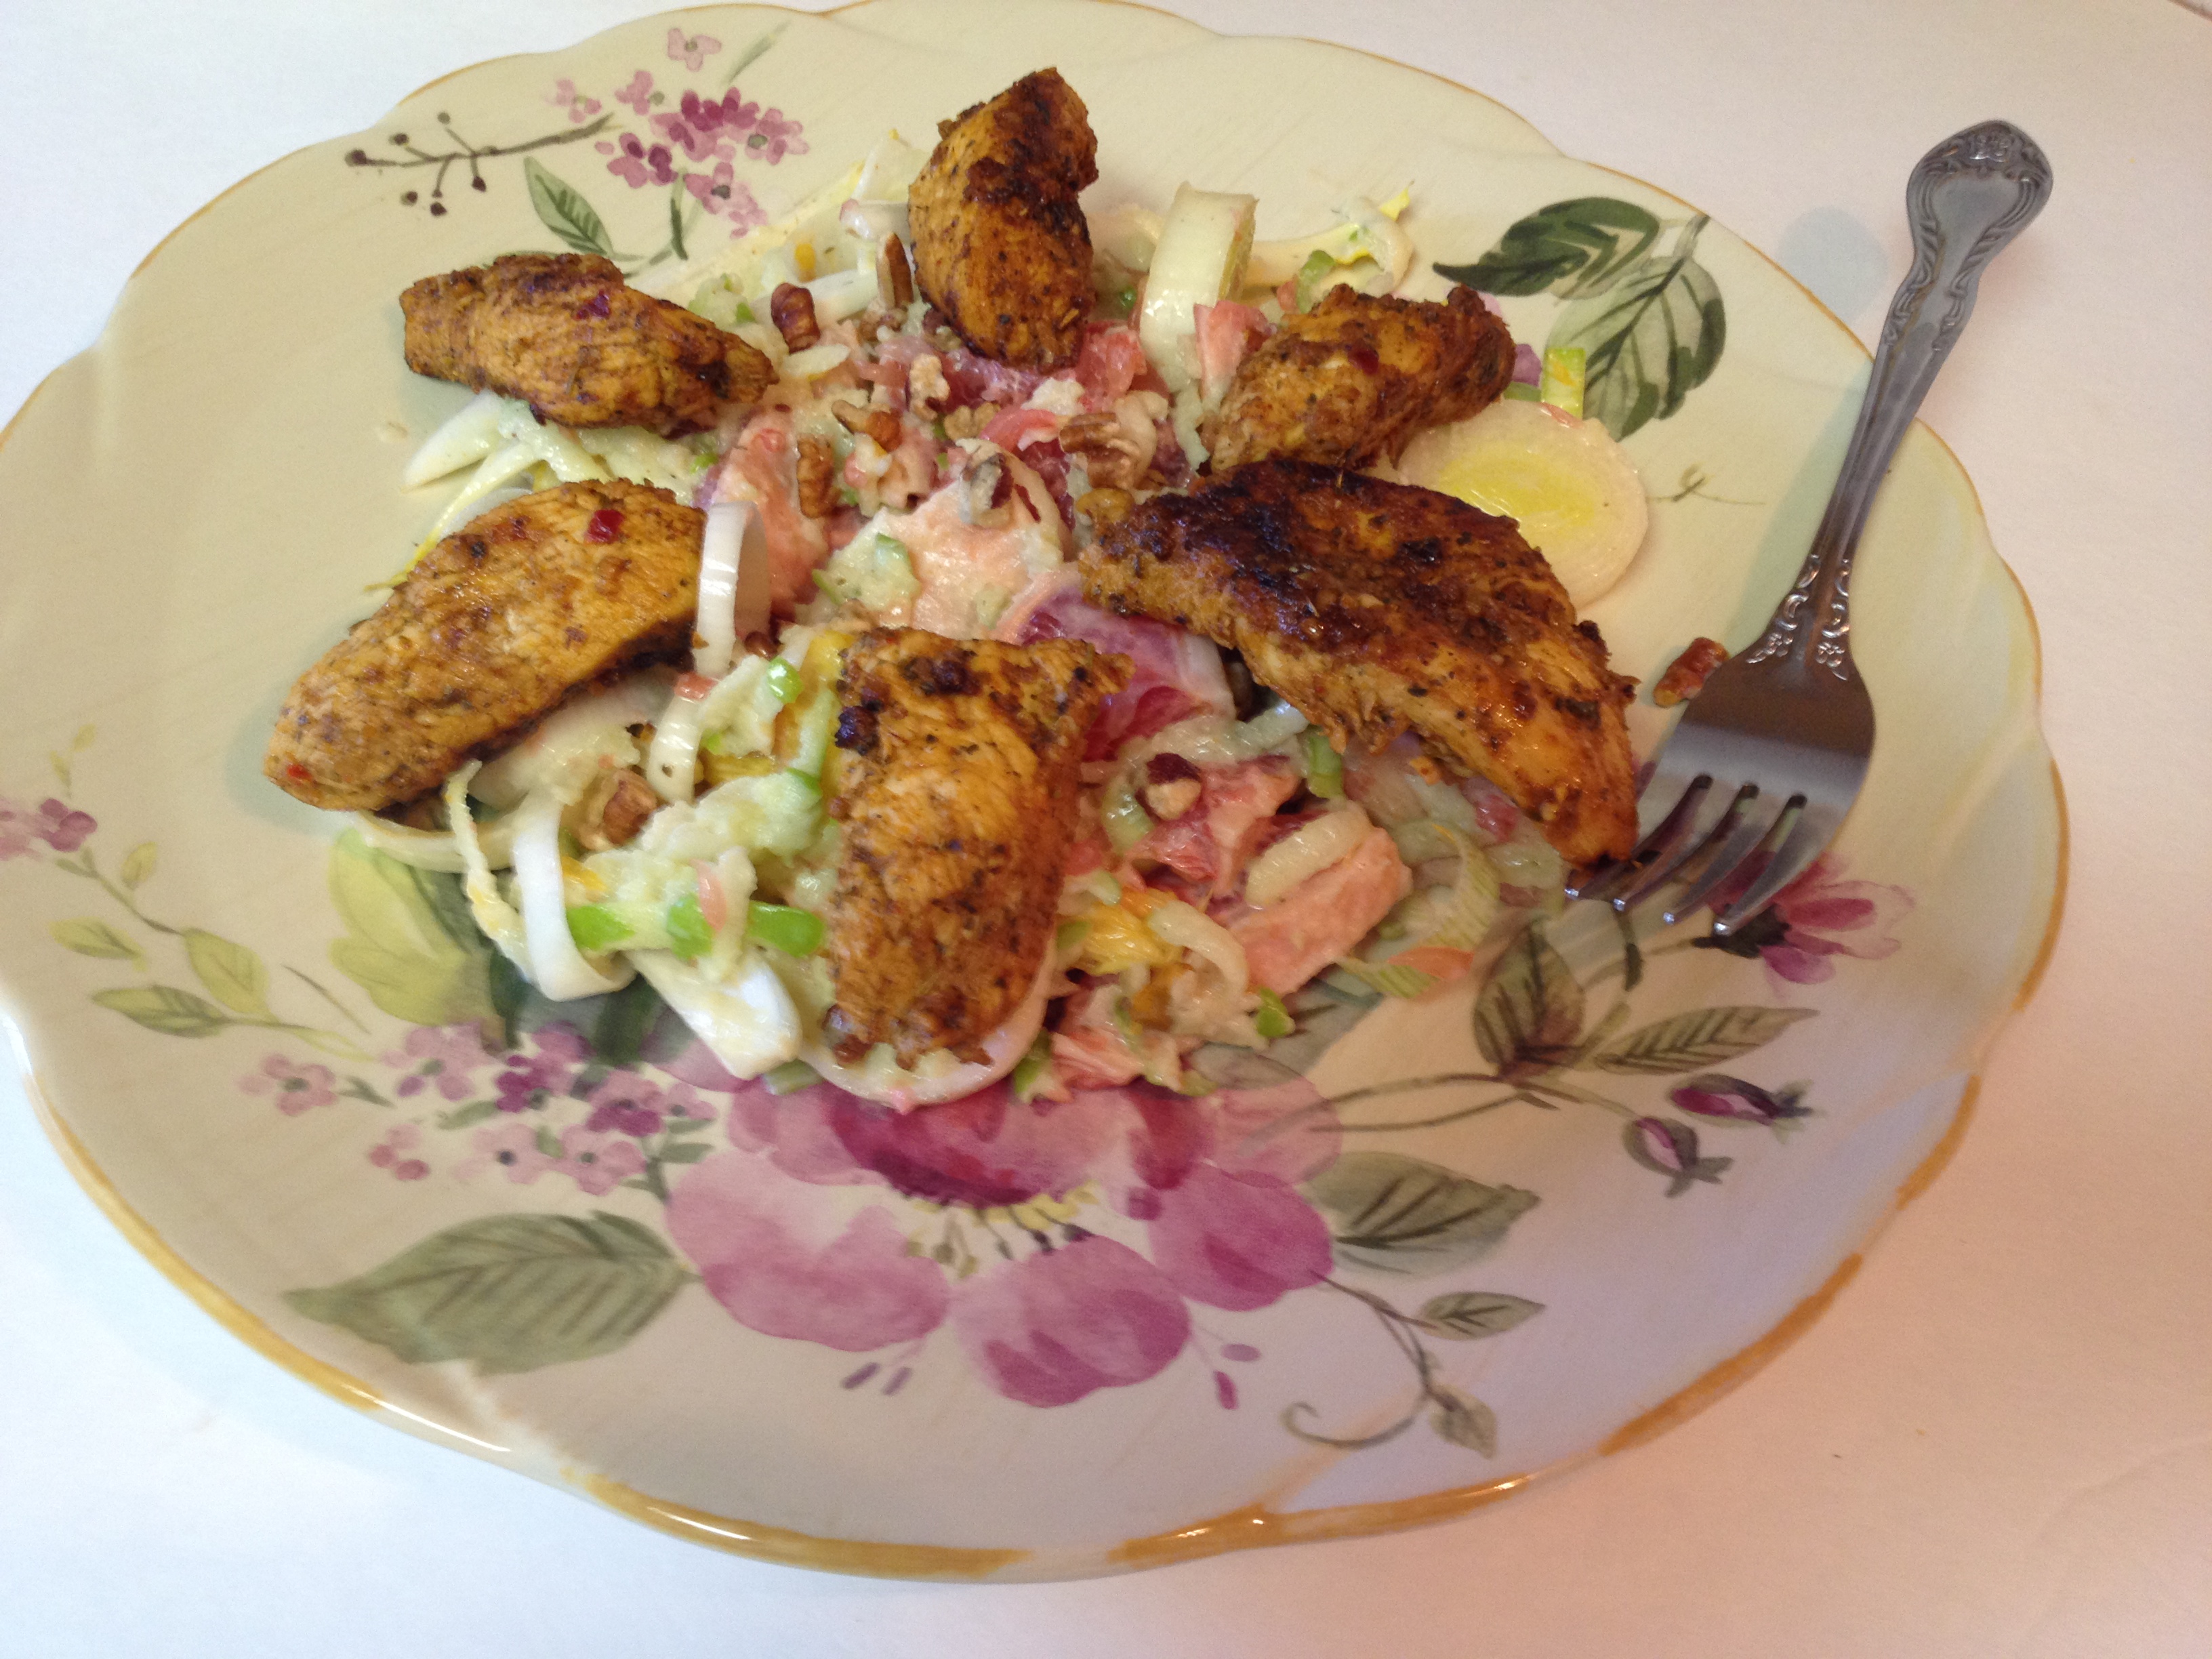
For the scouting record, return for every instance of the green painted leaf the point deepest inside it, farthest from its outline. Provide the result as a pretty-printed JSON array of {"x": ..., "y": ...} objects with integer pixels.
[
  {"x": 461, "y": 1117},
  {"x": 1466, "y": 1315},
  {"x": 1403, "y": 1215},
  {"x": 509, "y": 1293},
  {"x": 138, "y": 865},
  {"x": 89, "y": 937},
  {"x": 163, "y": 1008},
  {"x": 231, "y": 972},
  {"x": 1575, "y": 248},
  {"x": 410, "y": 943},
  {"x": 335, "y": 1043},
  {"x": 1529, "y": 1017},
  {"x": 626, "y": 1020},
  {"x": 1650, "y": 338},
  {"x": 1464, "y": 1420},
  {"x": 686, "y": 1151},
  {"x": 565, "y": 211},
  {"x": 1698, "y": 1041}
]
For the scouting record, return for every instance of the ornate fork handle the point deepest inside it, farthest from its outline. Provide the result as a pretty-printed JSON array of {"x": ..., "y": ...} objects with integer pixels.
[{"x": 1967, "y": 197}]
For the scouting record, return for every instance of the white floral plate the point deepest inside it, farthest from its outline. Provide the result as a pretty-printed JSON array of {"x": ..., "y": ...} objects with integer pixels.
[{"x": 1417, "y": 1254}]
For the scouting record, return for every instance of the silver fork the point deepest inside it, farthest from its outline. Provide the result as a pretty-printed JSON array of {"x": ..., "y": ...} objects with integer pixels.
[{"x": 1787, "y": 723}]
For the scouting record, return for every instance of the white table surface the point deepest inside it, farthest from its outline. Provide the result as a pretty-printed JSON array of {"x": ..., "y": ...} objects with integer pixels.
[{"x": 1999, "y": 1439}]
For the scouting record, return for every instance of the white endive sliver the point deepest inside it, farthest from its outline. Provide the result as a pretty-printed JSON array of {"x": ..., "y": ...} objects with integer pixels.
[
  {"x": 733, "y": 585},
  {"x": 557, "y": 968},
  {"x": 1191, "y": 929},
  {"x": 1306, "y": 854},
  {"x": 493, "y": 914},
  {"x": 469, "y": 434},
  {"x": 505, "y": 464},
  {"x": 748, "y": 1021},
  {"x": 437, "y": 850}
]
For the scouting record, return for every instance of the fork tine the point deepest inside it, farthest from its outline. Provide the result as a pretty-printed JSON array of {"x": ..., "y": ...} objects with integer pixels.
[
  {"x": 1603, "y": 881},
  {"x": 1752, "y": 828},
  {"x": 1713, "y": 817},
  {"x": 1815, "y": 828}
]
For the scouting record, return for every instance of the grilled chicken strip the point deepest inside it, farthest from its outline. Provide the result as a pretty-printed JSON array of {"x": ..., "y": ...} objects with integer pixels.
[
  {"x": 498, "y": 622},
  {"x": 565, "y": 334},
  {"x": 957, "y": 794},
  {"x": 1000, "y": 246},
  {"x": 1349, "y": 382},
  {"x": 1378, "y": 609}
]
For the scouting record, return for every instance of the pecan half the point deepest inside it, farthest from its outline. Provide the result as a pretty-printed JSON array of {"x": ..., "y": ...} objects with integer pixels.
[
  {"x": 818, "y": 478},
  {"x": 615, "y": 809},
  {"x": 894, "y": 275},
  {"x": 881, "y": 424},
  {"x": 970, "y": 422},
  {"x": 791, "y": 308},
  {"x": 926, "y": 389},
  {"x": 1686, "y": 675},
  {"x": 1113, "y": 456}
]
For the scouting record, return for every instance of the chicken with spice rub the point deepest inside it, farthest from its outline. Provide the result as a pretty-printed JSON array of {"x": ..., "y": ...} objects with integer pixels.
[
  {"x": 566, "y": 335},
  {"x": 1378, "y": 609}
]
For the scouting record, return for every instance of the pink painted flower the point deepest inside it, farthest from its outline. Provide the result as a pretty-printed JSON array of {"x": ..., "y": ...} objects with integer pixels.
[
  {"x": 390, "y": 1153},
  {"x": 775, "y": 137},
  {"x": 61, "y": 826},
  {"x": 639, "y": 166},
  {"x": 512, "y": 1146},
  {"x": 441, "y": 1054},
  {"x": 579, "y": 107},
  {"x": 1061, "y": 1244},
  {"x": 691, "y": 50},
  {"x": 1817, "y": 917},
  {"x": 638, "y": 95},
  {"x": 596, "y": 1162},
  {"x": 723, "y": 194},
  {"x": 298, "y": 1088},
  {"x": 626, "y": 1104}
]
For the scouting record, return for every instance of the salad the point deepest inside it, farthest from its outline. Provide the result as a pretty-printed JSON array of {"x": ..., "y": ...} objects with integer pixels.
[{"x": 683, "y": 821}]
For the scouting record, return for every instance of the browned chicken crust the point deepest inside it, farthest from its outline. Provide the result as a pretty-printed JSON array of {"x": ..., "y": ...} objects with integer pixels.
[
  {"x": 1000, "y": 246},
  {"x": 1378, "y": 609},
  {"x": 1349, "y": 382},
  {"x": 957, "y": 794},
  {"x": 565, "y": 334},
  {"x": 498, "y": 622}
]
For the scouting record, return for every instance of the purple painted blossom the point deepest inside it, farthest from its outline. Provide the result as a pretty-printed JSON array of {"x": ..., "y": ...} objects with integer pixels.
[
  {"x": 61, "y": 826},
  {"x": 638, "y": 95},
  {"x": 511, "y": 1147},
  {"x": 390, "y": 1153},
  {"x": 1527, "y": 367},
  {"x": 298, "y": 1088},
  {"x": 775, "y": 137},
  {"x": 1047, "y": 1312},
  {"x": 579, "y": 107},
  {"x": 709, "y": 128},
  {"x": 1818, "y": 917},
  {"x": 626, "y": 1103},
  {"x": 444, "y": 1056},
  {"x": 638, "y": 165},
  {"x": 1671, "y": 1148},
  {"x": 598, "y": 1163},
  {"x": 1715, "y": 1094},
  {"x": 691, "y": 50},
  {"x": 533, "y": 1081}
]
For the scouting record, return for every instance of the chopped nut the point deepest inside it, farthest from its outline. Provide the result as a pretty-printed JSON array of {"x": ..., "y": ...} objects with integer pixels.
[
  {"x": 970, "y": 422},
  {"x": 881, "y": 424},
  {"x": 926, "y": 392},
  {"x": 1114, "y": 457},
  {"x": 1169, "y": 801},
  {"x": 1686, "y": 677},
  {"x": 818, "y": 478},
  {"x": 1105, "y": 507},
  {"x": 791, "y": 308},
  {"x": 615, "y": 809},
  {"x": 990, "y": 488},
  {"x": 894, "y": 275}
]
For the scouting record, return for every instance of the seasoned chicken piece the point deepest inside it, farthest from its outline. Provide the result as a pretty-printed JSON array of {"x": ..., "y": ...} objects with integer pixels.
[
  {"x": 1378, "y": 609},
  {"x": 1349, "y": 382},
  {"x": 565, "y": 334},
  {"x": 1000, "y": 246},
  {"x": 957, "y": 794},
  {"x": 498, "y": 622}
]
